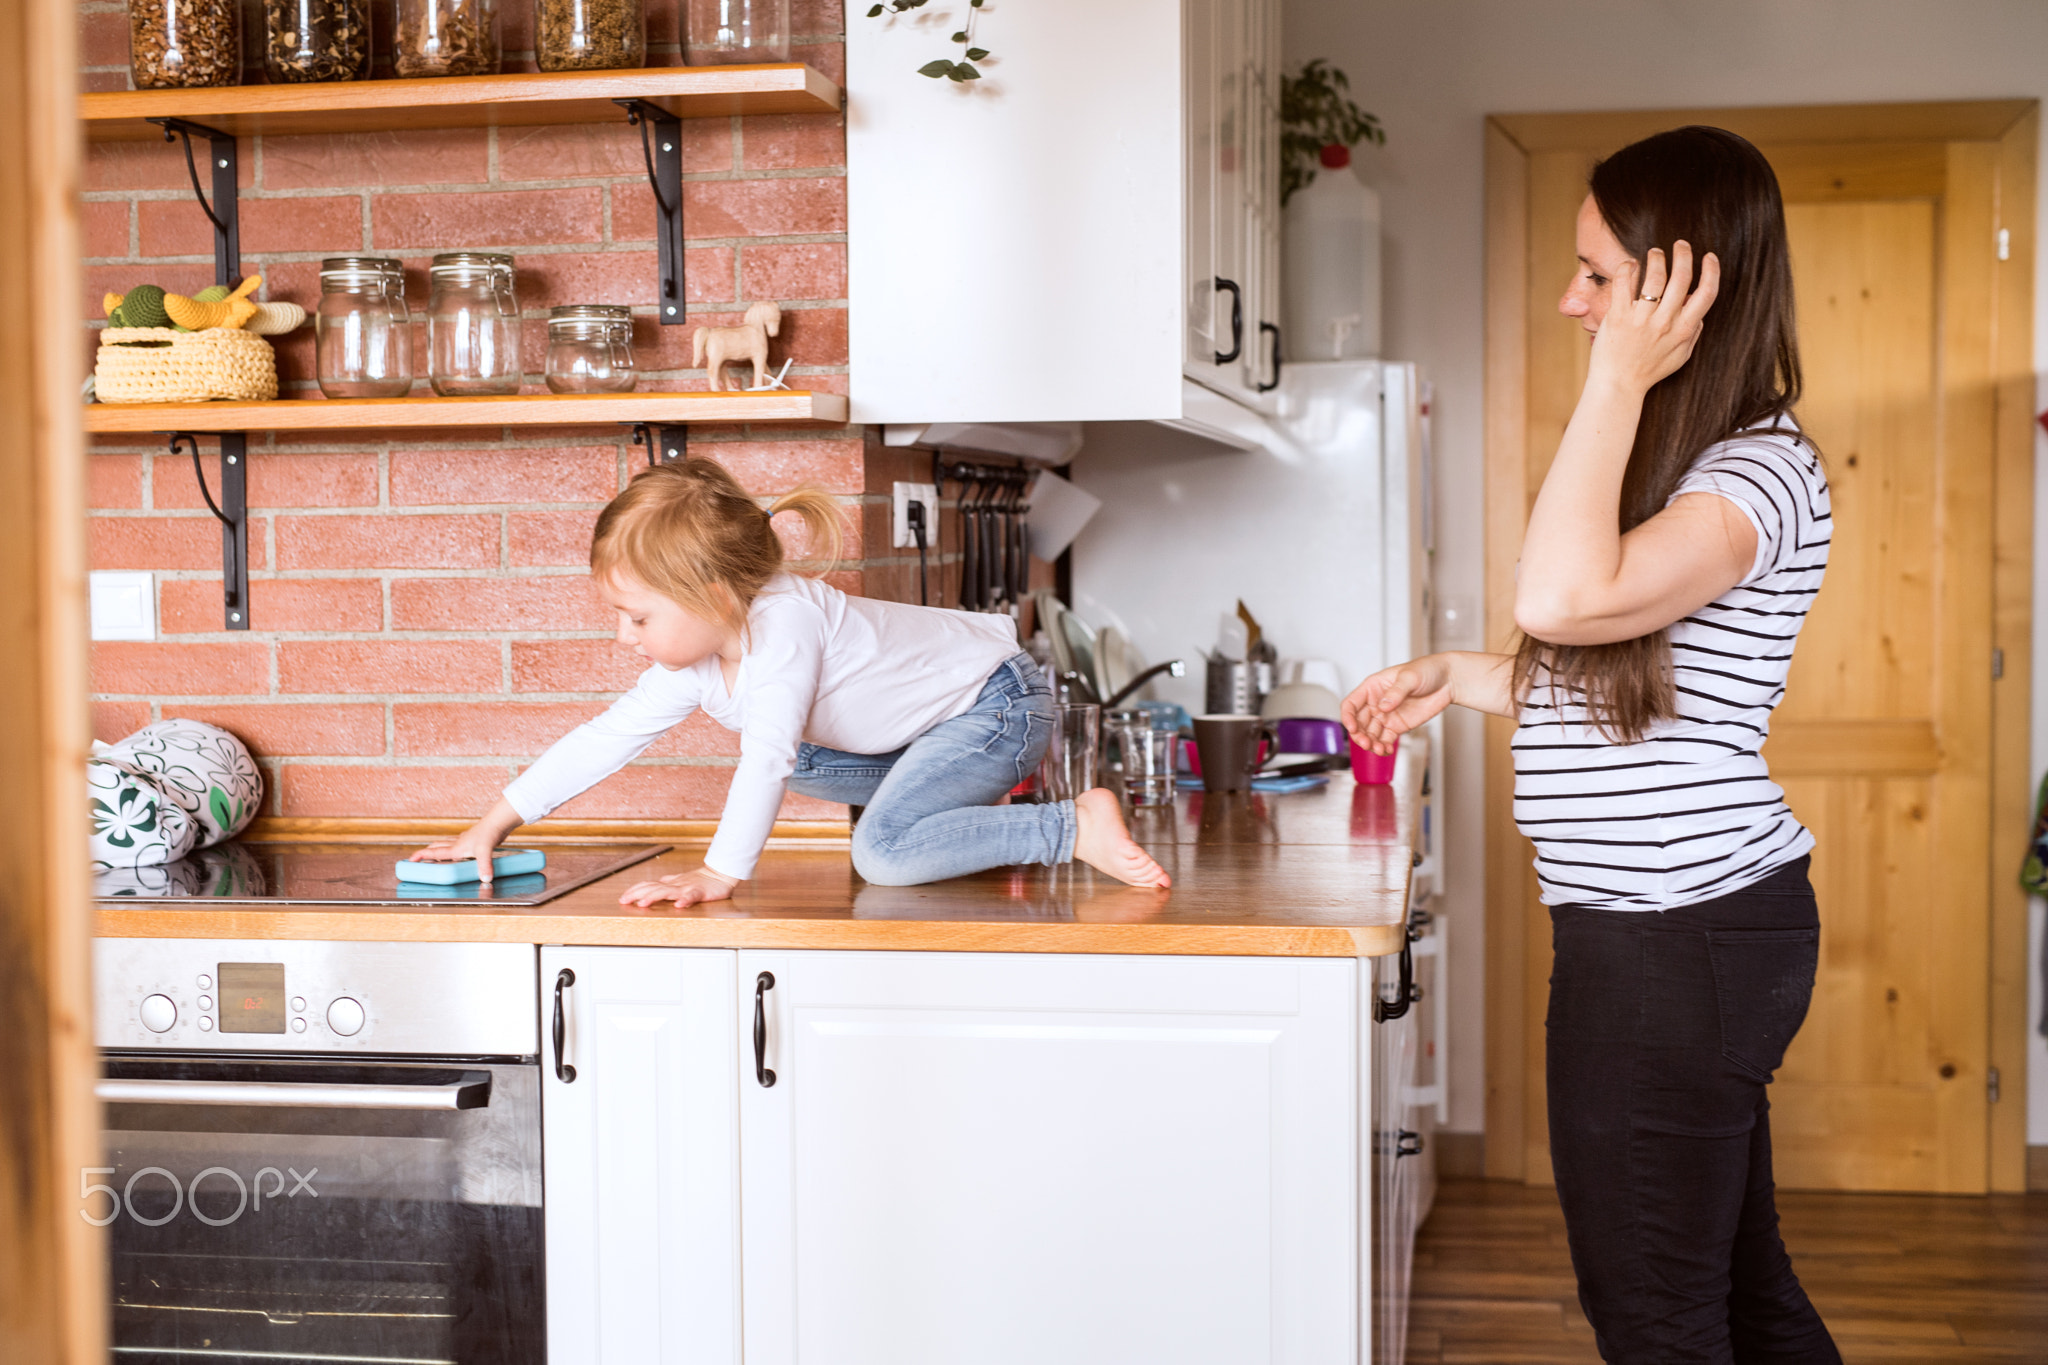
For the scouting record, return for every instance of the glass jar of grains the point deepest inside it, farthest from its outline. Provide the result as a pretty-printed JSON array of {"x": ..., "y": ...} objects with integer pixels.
[
  {"x": 472, "y": 325},
  {"x": 316, "y": 40},
  {"x": 589, "y": 35},
  {"x": 446, "y": 38},
  {"x": 362, "y": 333},
  {"x": 590, "y": 348},
  {"x": 173, "y": 43}
]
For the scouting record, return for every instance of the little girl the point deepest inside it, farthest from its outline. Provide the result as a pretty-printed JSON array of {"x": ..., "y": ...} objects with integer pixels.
[{"x": 923, "y": 716}]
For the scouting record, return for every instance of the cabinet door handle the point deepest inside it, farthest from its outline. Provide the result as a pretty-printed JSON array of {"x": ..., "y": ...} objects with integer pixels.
[
  {"x": 1236, "y": 321},
  {"x": 763, "y": 984},
  {"x": 563, "y": 1071},
  {"x": 1405, "y": 994},
  {"x": 1267, "y": 329}
]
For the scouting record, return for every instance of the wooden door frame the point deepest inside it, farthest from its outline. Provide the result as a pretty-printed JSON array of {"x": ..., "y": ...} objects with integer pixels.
[
  {"x": 2006, "y": 132},
  {"x": 53, "y": 1272}
]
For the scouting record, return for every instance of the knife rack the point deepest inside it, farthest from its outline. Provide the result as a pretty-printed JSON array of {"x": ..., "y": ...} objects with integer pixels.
[{"x": 995, "y": 556}]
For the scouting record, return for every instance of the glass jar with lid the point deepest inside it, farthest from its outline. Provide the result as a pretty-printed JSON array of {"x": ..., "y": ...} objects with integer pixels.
[
  {"x": 725, "y": 31},
  {"x": 590, "y": 348},
  {"x": 362, "y": 332},
  {"x": 590, "y": 35},
  {"x": 177, "y": 43},
  {"x": 446, "y": 38},
  {"x": 472, "y": 325},
  {"x": 316, "y": 40}
]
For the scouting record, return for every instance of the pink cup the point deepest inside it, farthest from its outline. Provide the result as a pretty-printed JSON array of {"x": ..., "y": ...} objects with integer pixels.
[{"x": 1373, "y": 769}]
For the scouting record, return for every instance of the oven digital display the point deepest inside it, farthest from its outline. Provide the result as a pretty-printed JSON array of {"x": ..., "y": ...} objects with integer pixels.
[{"x": 252, "y": 997}]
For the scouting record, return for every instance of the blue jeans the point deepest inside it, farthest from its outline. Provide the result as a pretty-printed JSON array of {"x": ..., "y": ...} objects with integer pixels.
[{"x": 929, "y": 812}]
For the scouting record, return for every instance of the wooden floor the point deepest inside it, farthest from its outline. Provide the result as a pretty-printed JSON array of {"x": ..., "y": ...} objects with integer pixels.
[{"x": 1920, "y": 1278}]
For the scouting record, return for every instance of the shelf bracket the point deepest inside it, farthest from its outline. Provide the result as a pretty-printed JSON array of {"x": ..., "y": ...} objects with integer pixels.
[
  {"x": 666, "y": 443},
  {"x": 665, "y": 177},
  {"x": 225, "y": 210},
  {"x": 232, "y": 511}
]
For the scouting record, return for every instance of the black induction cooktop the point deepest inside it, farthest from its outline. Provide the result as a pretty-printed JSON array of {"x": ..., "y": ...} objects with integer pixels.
[{"x": 351, "y": 874}]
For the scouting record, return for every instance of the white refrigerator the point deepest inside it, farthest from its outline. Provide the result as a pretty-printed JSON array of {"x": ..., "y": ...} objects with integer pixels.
[{"x": 1319, "y": 521}]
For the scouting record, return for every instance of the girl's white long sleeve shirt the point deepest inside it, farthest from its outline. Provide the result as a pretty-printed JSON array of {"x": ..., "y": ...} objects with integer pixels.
[{"x": 847, "y": 673}]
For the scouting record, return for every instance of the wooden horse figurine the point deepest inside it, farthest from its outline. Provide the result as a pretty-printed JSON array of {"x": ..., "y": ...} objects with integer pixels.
[{"x": 722, "y": 346}]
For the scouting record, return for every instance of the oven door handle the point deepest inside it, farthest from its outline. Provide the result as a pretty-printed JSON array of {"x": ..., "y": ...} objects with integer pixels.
[{"x": 472, "y": 1091}]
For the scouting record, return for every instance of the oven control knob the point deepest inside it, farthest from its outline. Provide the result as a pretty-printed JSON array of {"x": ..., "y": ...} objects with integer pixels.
[
  {"x": 159, "y": 1013},
  {"x": 345, "y": 1016}
]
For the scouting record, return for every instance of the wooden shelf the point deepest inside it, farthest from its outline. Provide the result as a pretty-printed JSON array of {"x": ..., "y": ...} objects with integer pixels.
[
  {"x": 461, "y": 101},
  {"x": 523, "y": 410}
]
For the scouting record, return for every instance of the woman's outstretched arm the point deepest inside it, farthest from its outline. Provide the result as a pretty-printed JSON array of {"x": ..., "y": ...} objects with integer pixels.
[{"x": 1396, "y": 700}]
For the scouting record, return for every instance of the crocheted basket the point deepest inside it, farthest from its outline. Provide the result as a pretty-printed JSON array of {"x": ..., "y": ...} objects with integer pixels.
[{"x": 220, "y": 362}]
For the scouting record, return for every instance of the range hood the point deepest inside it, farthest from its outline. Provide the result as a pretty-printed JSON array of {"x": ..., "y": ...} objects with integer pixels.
[{"x": 1204, "y": 413}]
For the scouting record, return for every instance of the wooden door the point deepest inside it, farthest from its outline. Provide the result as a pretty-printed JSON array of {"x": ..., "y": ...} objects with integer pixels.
[
  {"x": 1022, "y": 1158},
  {"x": 1885, "y": 743},
  {"x": 641, "y": 1157}
]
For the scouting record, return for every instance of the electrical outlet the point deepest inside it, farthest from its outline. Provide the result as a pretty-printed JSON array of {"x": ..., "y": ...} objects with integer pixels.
[
  {"x": 123, "y": 605},
  {"x": 906, "y": 494}
]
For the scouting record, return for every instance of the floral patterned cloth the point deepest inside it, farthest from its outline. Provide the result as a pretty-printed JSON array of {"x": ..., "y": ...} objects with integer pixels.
[{"x": 167, "y": 789}]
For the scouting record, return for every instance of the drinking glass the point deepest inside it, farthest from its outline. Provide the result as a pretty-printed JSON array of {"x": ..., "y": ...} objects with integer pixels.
[
  {"x": 1149, "y": 759},
  {"x": 1068, "y": 768}
]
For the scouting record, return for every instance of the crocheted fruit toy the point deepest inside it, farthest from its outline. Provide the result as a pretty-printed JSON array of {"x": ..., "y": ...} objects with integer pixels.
[
  {"x": 213, "y": 293},
  {"x": 142, "y": 306},
  {"x": 232, "y": 311},
  {"x": 275, "y": 319}
]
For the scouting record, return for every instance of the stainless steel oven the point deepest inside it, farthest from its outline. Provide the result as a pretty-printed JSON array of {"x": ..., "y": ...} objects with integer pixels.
[{"x": 320, "y": 1152}]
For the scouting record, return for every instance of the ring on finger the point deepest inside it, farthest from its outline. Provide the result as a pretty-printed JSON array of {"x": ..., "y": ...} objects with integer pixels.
[{"x": 1651, "y": 298}]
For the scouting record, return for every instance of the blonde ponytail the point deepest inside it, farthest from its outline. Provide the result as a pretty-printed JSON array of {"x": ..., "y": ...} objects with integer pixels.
[
  {"x": 822, "y": 520},
  {"x": 689, "y": 531}
]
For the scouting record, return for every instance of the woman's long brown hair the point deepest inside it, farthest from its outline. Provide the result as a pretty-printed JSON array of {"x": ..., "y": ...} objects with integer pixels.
[{"x": 1711, "y": 188}]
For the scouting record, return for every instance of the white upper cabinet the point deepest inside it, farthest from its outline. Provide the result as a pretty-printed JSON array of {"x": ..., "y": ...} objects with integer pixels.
[
  {"x": 1045, "y": 244},
  {"x": 1016, "y": 1159},
  {"x": 1230, "y": 54},
  {"x": 641, "y": 1156}
]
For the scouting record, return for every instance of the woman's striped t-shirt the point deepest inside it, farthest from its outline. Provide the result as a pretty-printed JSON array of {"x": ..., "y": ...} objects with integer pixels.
[{"x": 1689, "y": 813}]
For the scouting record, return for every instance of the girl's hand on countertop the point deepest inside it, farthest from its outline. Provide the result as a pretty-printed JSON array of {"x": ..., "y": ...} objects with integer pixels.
[
  {"x": 1396, "y": 700},
  {"x": 684, "y": 888},
  {"x": 1652, "y": 322}
]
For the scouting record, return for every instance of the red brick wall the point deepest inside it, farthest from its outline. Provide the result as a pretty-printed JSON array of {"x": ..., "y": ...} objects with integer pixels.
[{"x": 423, "y": 623}]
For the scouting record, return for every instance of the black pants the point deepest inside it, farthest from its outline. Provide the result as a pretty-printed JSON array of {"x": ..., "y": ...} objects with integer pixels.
[{"x": 1664, "y": 1029}]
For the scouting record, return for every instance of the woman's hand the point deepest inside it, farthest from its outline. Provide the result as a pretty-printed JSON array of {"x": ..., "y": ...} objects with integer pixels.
[
  {"x": 479, "y": 841},
  {"x": 684, "y": 888},
  {"x": 1408, "y": 696},
  {"x": 1396, "y": 700},
  {"x": 1652, "y": 322}
]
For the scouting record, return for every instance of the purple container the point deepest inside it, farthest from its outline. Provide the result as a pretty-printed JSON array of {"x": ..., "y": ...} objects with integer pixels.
[
  {"x": 1374, "y": 770},
  {"x": 1311, "y": 735}
]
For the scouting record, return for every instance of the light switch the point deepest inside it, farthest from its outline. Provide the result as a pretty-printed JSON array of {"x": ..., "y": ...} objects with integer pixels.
[{"x": 123, "y": 605}]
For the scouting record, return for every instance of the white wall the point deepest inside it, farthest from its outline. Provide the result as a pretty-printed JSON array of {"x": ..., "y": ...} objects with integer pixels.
[{"x": 1432, "y": 72}]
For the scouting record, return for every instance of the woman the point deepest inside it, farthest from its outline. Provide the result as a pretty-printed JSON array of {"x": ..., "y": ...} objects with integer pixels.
[{"x": 1671, "y": 557}]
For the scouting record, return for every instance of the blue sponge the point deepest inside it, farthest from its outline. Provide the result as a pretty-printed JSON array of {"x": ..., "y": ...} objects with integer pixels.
[{"x": 506, "y": 864}]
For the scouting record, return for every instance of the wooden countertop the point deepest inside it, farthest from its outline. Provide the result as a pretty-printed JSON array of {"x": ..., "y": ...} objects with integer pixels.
[{"x": 1308, "y": 874}]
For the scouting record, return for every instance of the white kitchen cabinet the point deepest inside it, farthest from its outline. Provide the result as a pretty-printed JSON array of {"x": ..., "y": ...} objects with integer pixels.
[
  {"x": 1031, "y": 1158},
  {"x": 1231, "y": 74},
  {"x": 640, "y": 1156},
  {"x": 1407, "y": 1090},
  {"x": 1043, "y": 244}
]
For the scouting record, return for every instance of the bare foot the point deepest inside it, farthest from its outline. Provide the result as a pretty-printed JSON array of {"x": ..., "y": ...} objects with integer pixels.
[{"x": 1102, "y": 842}]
